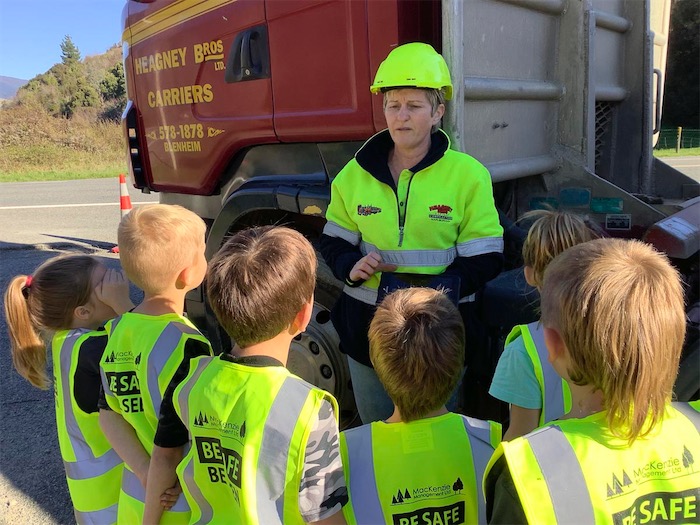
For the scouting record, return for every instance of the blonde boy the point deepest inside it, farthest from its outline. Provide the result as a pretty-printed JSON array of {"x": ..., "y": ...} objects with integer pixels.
[
  {"x": 264, "y": 443},
  {"x": 524, "y": 378},
  {"x": 614, "y": 323},
  {"x": 162, "y": 252},
  {"x": 417, "y": 349}
]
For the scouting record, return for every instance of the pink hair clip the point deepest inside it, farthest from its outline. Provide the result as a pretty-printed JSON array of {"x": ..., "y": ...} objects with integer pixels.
[{"x": 28, "y": 282}]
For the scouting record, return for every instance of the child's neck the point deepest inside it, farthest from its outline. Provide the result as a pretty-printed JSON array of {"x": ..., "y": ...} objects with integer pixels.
[
  {"x": 585, "y": 401},
  {"x": 396, "y": 416},
  {"x": 277, "y": 348},
  {"x": 161, "y": 304}
]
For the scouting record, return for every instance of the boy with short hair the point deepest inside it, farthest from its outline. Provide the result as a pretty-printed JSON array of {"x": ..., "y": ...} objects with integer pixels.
[
  {"x": 417, "y": 349},
  {"x": 614, "y": 325},
  {"x": 264, "y": 443},
  {"x": 162, "y": 252}
]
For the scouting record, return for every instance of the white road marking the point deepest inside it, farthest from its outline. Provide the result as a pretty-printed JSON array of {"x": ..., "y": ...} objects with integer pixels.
[{"x": 85, "y": 205}]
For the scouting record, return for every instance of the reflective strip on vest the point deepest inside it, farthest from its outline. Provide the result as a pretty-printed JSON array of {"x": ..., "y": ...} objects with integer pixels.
[
  {"x": 184, "y": 394},
  {"x": 132, "y": 487},
  {"x": 159, "y": 355},
  {"x": 479, "y": 434},
  {"x": 97, "y": 517},
  {"x": 688, "y": 411},
  {"x": 333, "y": 229},
  {"x": 86, "y": 464},
  {"x": 277, "y": 435},
  {"x": 556, "y": 396},
  {"x": 369, "y": 296},
  {"x": 423, "y": 258},
  {"x": 363, "y": 481},
  {"x": 563, "y": 476},
  {"x": 480, "y": 246}
]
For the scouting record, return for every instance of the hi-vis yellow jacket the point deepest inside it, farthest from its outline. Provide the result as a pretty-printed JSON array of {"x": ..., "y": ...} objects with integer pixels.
[
  {"x": 143, "y": 354},
  {"x": 442, "y": 211},
  {"x": 555, "y": 392},
  {"x": 423, "y": 472},
  {"x": 576, "y": 471},
  {"x": 93, "y": 468}
]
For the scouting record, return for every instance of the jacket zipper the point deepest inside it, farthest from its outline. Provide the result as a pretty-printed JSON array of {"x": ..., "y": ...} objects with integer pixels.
[{"x": 402, "y": 216}]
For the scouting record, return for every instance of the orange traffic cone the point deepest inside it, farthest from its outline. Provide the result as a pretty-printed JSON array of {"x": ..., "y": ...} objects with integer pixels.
[
  {"x": 124, "y": 202},
  {"x": 124, "y": 199}
]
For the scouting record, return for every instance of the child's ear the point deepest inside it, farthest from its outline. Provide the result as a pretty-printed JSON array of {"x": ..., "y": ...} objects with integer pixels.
[
  {"x": 303, "y": 317},
  {"x": 529, "y": 275},
  {"x": 556, "y": 348},
  {"x": 185, "y": 278},
  {"x": 82, "y": 312}
]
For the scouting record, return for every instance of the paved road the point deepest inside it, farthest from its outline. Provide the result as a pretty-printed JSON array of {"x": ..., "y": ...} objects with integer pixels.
[
  {"x": 38, "y": 221},
  {"x": 688, "y": 165}
]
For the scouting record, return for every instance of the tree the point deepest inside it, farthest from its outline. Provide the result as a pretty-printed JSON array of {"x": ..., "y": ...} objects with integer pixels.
[
  {"x": 682, "y": 93},
  {"x": 113, "y": 85},
  {"x": 69, "y": 51}
]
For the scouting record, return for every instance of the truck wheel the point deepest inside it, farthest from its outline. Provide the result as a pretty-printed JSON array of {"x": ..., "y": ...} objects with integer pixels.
[{"x": 315, "y": 355}]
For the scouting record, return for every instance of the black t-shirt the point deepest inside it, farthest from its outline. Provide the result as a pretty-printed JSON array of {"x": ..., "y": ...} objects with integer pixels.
[{"x": 86, "y": 381}]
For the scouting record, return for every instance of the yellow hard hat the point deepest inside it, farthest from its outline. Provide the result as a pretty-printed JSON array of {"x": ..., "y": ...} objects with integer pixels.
[{"x": 413, "y": 65}]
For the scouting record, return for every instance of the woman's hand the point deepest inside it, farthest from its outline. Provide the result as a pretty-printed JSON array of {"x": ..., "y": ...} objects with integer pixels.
[
  {"x": 113, "y": 291},
  {"x": 368, "y": 266}
]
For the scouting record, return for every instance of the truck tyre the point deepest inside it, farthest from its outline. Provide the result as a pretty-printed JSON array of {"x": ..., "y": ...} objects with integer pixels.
[{"x": 315, "y": 354}]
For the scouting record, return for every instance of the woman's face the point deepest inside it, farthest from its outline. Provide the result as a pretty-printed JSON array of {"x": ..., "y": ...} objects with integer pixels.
[{"x": 410, "y": 117}]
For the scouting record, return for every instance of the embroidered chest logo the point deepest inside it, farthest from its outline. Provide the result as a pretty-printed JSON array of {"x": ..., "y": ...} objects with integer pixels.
[
  {"x": 440, "y": 212},
  {"x": 367, "y": 210}
]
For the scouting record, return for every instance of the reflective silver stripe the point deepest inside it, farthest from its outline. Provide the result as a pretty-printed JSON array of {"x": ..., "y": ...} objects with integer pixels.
[
  {"x": 106, "y": 516},
  {"x": 552, "y": 395},
  {"x": 333, "y": 229},
  {"x": 274, "y": 449},
  {"x": 80, "y": 447},
  {"x": 159, "y": 355},
  {"x": 479, "y": 434},
  {"x": 480, "y": 246},
  {"x": 369, "y": 296},
  {"x": 207, "y": 513},
  {"x": 87, "y": 469},
  {"x": 362, "y": 293},
  {"x": 412, "y": 257},
  {"x": 363, "y": 484},
  {"x": 132, "y": 487},
  {"x": 183, "y": 400},
  {"x": 562, "y": 473},
  {"x": 109, "y": 327},
  {"x": 689, "y": 412}
]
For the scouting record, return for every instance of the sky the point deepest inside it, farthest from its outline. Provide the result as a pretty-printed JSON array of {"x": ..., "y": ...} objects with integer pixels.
[{"x": 31, "y": 32}]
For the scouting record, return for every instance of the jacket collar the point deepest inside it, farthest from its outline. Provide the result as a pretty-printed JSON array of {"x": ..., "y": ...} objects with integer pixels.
[{"x": 373, "y": 156}]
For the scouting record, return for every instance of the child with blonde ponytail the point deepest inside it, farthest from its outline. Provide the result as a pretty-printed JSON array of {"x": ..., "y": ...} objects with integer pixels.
[{"x": 69, "y": 298}]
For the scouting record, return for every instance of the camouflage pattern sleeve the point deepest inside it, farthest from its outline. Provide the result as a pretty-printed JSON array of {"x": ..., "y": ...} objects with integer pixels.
[{"x": 322, "y": 492}]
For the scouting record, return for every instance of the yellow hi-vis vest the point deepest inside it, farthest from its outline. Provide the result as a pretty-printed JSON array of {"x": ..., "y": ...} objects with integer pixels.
[
  {"x": 419, "y": 473},
  {"x": 249, "y": 427},
  {"x": 142, "y": 355},
  {"x": 554, "y": 391},
  {"x": 443, "y": 211},
  {"x": 93, "y": 468},
  {"x": 575, "y": 471}
]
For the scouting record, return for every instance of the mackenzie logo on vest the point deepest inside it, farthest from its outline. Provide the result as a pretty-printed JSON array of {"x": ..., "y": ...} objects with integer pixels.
[
  {"x": 427, "y": 492},
  {"x": 121, "y": 357},
  {"x": 367, "y": 210},
  {"x": 233, "y": 430}
]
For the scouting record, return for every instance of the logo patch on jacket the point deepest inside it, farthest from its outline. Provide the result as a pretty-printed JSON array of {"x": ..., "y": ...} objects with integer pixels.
[
  {"x": 440, "y": 212},
  {"x": 367, "y": 210}
]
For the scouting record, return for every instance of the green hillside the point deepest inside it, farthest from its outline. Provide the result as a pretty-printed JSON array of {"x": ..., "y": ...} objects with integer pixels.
[{"x": 64, "y": 123}]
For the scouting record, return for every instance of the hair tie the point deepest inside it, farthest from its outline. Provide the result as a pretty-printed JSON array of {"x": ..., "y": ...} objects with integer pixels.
[{"x": 28, "y": 282}]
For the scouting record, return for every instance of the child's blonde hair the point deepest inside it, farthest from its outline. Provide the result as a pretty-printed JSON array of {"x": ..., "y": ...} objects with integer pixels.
[
  {"x": 416, "y": 342},
  {"x": 551, "y": 233},
  {"x": 619, "y": 308},
  {"x": 45, "y": 301},
  {"x": 259, "y": 281},
  {"x": 156, "y": 242}
]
